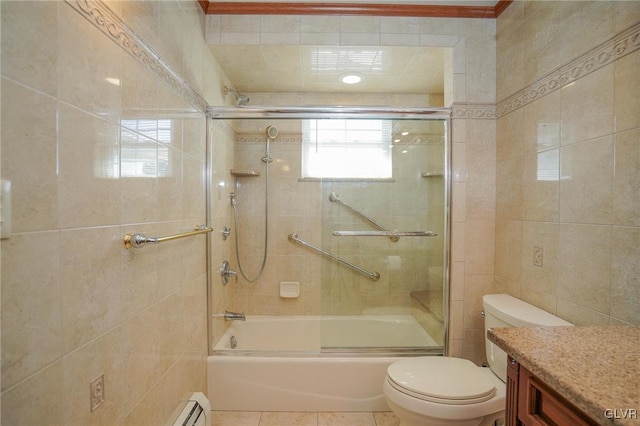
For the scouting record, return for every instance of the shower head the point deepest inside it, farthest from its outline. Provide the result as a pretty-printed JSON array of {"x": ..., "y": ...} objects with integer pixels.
[
  {"x": 240, "y": 98},
  {"x": 334, "y": 197},
  {"x": 272, "y": 132}
]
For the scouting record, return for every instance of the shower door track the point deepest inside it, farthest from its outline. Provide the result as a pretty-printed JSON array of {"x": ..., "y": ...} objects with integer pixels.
[
  {"x": 413, "y": 113},
  {"x": 355, "y": 112}
]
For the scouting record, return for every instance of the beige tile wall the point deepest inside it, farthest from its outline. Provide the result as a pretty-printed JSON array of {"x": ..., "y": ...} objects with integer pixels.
[
  {"x": 75, "y": 303},
  {"x": 568, "y": 162}
]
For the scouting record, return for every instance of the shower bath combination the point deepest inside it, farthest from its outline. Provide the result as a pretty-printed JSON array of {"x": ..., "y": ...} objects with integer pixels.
[
  {"x": 332, "y": 352},
  {"x": 271, "y": 133}
]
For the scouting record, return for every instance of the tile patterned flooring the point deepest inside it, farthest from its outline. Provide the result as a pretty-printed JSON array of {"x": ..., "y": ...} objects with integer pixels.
[{"x": 272, "y": 418}]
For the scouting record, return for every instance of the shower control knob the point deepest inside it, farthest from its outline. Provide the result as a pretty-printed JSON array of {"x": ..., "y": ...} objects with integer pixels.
[
  {"x": 225, "y": 233},
  {"x": 226, "y": 272}
]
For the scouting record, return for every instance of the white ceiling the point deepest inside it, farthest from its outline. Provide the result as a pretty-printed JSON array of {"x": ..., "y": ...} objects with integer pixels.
[{"x": 302, "y": 69}]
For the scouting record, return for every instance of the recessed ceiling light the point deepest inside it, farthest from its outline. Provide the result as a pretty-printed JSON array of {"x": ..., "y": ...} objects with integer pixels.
[
  {"x": 351, "y": 78},
  {"x": 405, "y": 133}
]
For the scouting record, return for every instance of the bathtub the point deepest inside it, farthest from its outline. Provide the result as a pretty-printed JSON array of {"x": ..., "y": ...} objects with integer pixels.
[{"x": 278, "y": 363}]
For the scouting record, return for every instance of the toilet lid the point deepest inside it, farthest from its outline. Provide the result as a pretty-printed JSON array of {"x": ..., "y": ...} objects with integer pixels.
[{"x": 441, "y": 379}]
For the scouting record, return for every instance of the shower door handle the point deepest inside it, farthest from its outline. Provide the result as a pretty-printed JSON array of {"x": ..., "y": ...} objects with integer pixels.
[
  {"x": 384, "y": 234},
  {"x": 374, "y": 276}
]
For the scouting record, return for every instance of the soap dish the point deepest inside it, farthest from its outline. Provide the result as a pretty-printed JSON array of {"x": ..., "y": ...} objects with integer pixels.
[{"x": 289, "y": 289}]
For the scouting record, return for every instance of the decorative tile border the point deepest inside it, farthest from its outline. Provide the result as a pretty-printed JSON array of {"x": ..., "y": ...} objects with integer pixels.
[
  {"x": 423, "y": 139},
  {"x": 259, "y": 139},
  {"x": 473, "y": 111},
  {"x": 296, "y": 139},
  {"x": 608, "y": 52},
  {"x": 112, "y": 26}
]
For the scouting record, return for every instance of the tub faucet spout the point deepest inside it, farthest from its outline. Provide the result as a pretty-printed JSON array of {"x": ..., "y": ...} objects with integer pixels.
[{"x": 233, "y": 316}]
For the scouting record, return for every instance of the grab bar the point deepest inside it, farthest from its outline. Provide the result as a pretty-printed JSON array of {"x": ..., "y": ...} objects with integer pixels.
[
  {"x": 140, "y": 240},
  {"x": 335, "y": 198},
  {"x": 384, "y": 234},
  {"x": 374, "y": 276}
]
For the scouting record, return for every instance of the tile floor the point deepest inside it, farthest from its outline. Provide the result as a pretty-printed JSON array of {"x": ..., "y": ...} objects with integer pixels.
[{"x": 271, "y": 418}]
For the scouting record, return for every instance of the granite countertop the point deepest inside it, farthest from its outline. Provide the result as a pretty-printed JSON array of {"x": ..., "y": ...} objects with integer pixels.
[{"x": 594, "y": 368}]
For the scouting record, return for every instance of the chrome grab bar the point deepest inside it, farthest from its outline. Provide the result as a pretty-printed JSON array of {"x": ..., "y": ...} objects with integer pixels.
[
  {"x": 335, "y": 198},
  {"x": 384, "y": 234},
  {"x": 374, "y": 276},
  {"x": 140, "y": 240}
]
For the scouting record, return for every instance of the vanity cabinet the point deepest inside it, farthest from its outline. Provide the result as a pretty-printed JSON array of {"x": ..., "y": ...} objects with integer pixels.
[{"x": 530, "y": 402}]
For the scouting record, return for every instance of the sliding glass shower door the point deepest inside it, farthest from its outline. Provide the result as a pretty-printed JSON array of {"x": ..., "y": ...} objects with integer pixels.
[
  {"x": 389, "y": 219},
  {"x": 357, "y": 226}
]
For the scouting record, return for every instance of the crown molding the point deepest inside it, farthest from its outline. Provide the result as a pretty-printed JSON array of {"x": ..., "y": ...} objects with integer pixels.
[
  {"x": 366, "y": 9},
  {"x": 500, "y": 7}
]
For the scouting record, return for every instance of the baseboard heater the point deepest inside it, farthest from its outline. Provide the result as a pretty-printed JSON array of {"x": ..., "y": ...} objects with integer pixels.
[{"x": 196, "y": 412}]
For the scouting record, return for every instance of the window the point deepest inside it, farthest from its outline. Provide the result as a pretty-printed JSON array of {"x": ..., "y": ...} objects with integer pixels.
[{"x": 335, "y": 148}]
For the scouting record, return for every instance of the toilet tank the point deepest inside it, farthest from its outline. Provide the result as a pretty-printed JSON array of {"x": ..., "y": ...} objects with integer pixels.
[{"x": 502, "y": 310}]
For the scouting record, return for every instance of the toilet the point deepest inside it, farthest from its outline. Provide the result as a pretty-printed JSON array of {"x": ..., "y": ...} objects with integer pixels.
[{"x": 439, "y": 391}]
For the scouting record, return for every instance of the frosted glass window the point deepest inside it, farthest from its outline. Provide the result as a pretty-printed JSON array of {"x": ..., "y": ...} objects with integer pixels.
[{"x": 334, "y": 148}]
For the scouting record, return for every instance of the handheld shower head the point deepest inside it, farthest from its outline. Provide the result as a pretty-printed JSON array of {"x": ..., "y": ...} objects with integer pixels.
[
  {"x": 240, "y": 98},
  {"x": 272, "y": 132}
]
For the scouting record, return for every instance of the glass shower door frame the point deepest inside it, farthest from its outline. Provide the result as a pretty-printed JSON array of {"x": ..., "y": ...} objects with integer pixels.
[{"x": 364, "y": 112}]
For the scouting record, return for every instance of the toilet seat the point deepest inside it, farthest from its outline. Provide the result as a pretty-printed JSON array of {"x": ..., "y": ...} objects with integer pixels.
[{"x": 442, "y": 380}]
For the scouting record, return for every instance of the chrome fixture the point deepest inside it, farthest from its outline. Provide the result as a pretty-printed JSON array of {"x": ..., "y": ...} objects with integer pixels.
[
  {"x": 140, "y": 240},
  {"x": 226, "y": 272},
  {"x": 390, "y": 234},
  {"x": 278, "y": 112},
  {"x": 335, "y": 198},
  {"x": 374, "y": 276},
  {"x": 272, "y": 133},
  {"x": 240, "y": 98},
  {"x": 226, "y": 231},
  {"x": 234, "y": 316},
  {"x": 233, "y": 342}
]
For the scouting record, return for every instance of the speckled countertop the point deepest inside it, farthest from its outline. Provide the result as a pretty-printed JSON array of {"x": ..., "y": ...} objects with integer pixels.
[{"x": 595, "y": 368}]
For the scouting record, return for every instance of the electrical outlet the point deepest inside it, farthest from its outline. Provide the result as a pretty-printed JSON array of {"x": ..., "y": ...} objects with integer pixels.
[
  {"x": 96, "y": 392},
  {"x": 537, "y": 256}
]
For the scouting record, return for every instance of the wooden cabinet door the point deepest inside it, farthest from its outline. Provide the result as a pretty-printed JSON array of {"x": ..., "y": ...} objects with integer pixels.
[{"x": 539, "y": 405}]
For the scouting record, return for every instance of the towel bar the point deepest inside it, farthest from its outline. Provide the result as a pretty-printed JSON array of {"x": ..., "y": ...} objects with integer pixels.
[{"x": 140, "y": 240}]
